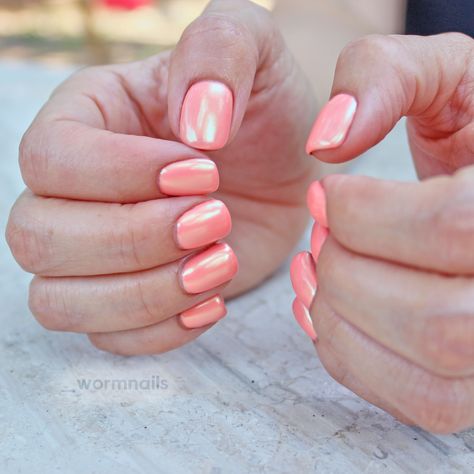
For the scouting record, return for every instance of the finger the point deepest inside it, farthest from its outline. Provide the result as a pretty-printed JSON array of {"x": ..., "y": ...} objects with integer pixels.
[
  {"x": 212, "y": 71},
  {"x": 339, "y": 372},
  {"x": 424, "y": 317},
  {"x": 57, "y": 237},
  {"x": 86, "y": 149},
  {"x": 378, "y": 80},
  {"x": 435, "y": 403},
  {"x": 156, "y": 339},
  {"x": 132, "y": 300},
  {"x": 427, "y": 225}
]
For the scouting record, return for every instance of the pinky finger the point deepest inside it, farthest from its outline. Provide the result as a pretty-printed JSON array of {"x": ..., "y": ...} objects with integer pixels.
[{"x": 164, "y": 336}]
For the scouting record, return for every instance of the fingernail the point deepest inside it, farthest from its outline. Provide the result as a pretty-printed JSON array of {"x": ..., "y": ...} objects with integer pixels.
[
  {"x": 303, "y": 277},
  {"x": 209, "y": 269},
  {"x": 318, "y": 237},
  {"x": 187, "y": 177},
  {"x": 207, "y": 312},
  {"x": 332, "y": 124},
  {"x": 316, "y": 200},
  {"x": 303, "y": 318},
  {"x": 203, "y": 224},
  {"x": 206, "y": 115}
]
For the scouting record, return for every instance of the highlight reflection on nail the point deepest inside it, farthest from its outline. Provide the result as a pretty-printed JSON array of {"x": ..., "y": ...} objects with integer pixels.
[
  {"x": 332, "y": 124},
  {"x": 303, "y": 318},
  {"x": 318, "y": 237},
  {"x": 316, "y": 201},
  {"x": 187, "y": 177},
  {"x": 206, "y": 115},
  {"x": 209, "y": 269},
  {"x": 203, "y": 224},
  {"x": 207, "y": 312},
  {"x": 303, "y": 277}
]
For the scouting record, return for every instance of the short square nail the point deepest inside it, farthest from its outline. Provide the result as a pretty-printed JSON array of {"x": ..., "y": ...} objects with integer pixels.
[
  {"x": 209, "y": 269},
  {"x": 188, "y": 177},
  {"x": 332, "y": 124},
  {"x": 206, "y": 115},
  {"x": 203, "y": 224},
  {"x": 207, "y": 312}
]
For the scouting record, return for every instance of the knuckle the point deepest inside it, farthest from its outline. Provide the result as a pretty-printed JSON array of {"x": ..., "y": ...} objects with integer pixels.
[
  {"x": 27, "y": 244},
  {"x": 33, "y": 158},
  {"x": 376, "y": 46},
  {"x": 43, "y": 306},
  {"x": 229, "y": 33},
  {"x": 147, "y": 310},
  {"x": 50, "y": 304},
  {"x": 452, "y": 224}
]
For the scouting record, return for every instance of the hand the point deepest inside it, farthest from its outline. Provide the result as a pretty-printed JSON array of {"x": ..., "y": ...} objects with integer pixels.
[
  {"x": 98, "y": 225},
  {"x": 394, "y": 310}
]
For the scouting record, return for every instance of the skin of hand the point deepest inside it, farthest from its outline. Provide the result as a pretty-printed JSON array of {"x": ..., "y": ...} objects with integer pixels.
[
  {"x": 111, "y": 255},
  {"x": 394, "y": 262}
]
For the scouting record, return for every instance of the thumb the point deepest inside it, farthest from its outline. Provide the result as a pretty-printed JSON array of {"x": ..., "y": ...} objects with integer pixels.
[
  {"x": 212, "y": 72},
  {"x": 380, "y": 79}
]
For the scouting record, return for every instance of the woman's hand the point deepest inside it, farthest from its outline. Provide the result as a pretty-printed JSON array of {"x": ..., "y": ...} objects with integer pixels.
[
  {"x": 115, "y": 223},
  {"x": 394, "y": 310}
]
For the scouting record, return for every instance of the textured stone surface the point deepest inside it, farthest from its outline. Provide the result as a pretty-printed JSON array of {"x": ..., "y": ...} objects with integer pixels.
[{"x": 249, "y": 396}]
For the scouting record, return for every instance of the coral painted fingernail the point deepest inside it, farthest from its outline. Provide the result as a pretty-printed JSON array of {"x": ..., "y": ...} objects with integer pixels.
[
  {"x": 303, "y": 318},
  {"x": 303, "y": 277},
  {"x": 316, "y": 200},
  {"x": 207, "y": 312},
  {"x": 208, "y": 269},
  {"x": 203, "y": 224},
  {"x": 332, "y": 124},
  {"x": 318, "y": 237},
  {"x": 206, "y": 115},
  {"x": 187, "y": 177}
]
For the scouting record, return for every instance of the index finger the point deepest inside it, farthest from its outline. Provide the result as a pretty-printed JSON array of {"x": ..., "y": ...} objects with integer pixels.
[{"x": 86, "y": 143}]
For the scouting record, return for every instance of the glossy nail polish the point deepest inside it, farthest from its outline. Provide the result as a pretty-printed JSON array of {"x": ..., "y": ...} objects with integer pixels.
[
  {"x": 332, "y": 124},
  {"x": 207, "y": 312},
  {"x": 209, "y": 269},
  {"x": 203, "y": 224},
  {"x": 187, "y": 177},
  {"x": 206, "y": 115},
  {"x": 303, "y": 277},
  {"x": 318, "y": 237},
  {"x": 303, "y": 318},
  {"x": 316, "y": 200}
]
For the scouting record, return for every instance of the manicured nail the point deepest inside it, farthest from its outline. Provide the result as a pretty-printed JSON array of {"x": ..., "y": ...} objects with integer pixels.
[
  {"x": 303, "y": 277},
  {"x": 209, "y": 269},
  {"x": 332, "y": 124},
  {"x": 303, "y": 318},
  {"x": 207, "y": 312},
  {"x": 316, "y": 200},
  {"x": 206, "y": 115},
  {"x": 318, "y": 237},
  {"x": 187, "y": 177},
  {"x": 203, "y": 224}
]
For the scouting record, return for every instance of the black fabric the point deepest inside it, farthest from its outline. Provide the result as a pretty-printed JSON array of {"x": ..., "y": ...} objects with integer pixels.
[{"x": 429, "y": 17}]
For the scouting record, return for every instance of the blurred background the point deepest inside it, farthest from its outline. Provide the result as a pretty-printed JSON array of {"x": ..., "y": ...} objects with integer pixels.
[{"x": 78, "y": 32}]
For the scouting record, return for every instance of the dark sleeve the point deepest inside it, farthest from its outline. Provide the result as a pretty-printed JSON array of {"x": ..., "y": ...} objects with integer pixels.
[{"x": 429, "y": 17}]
